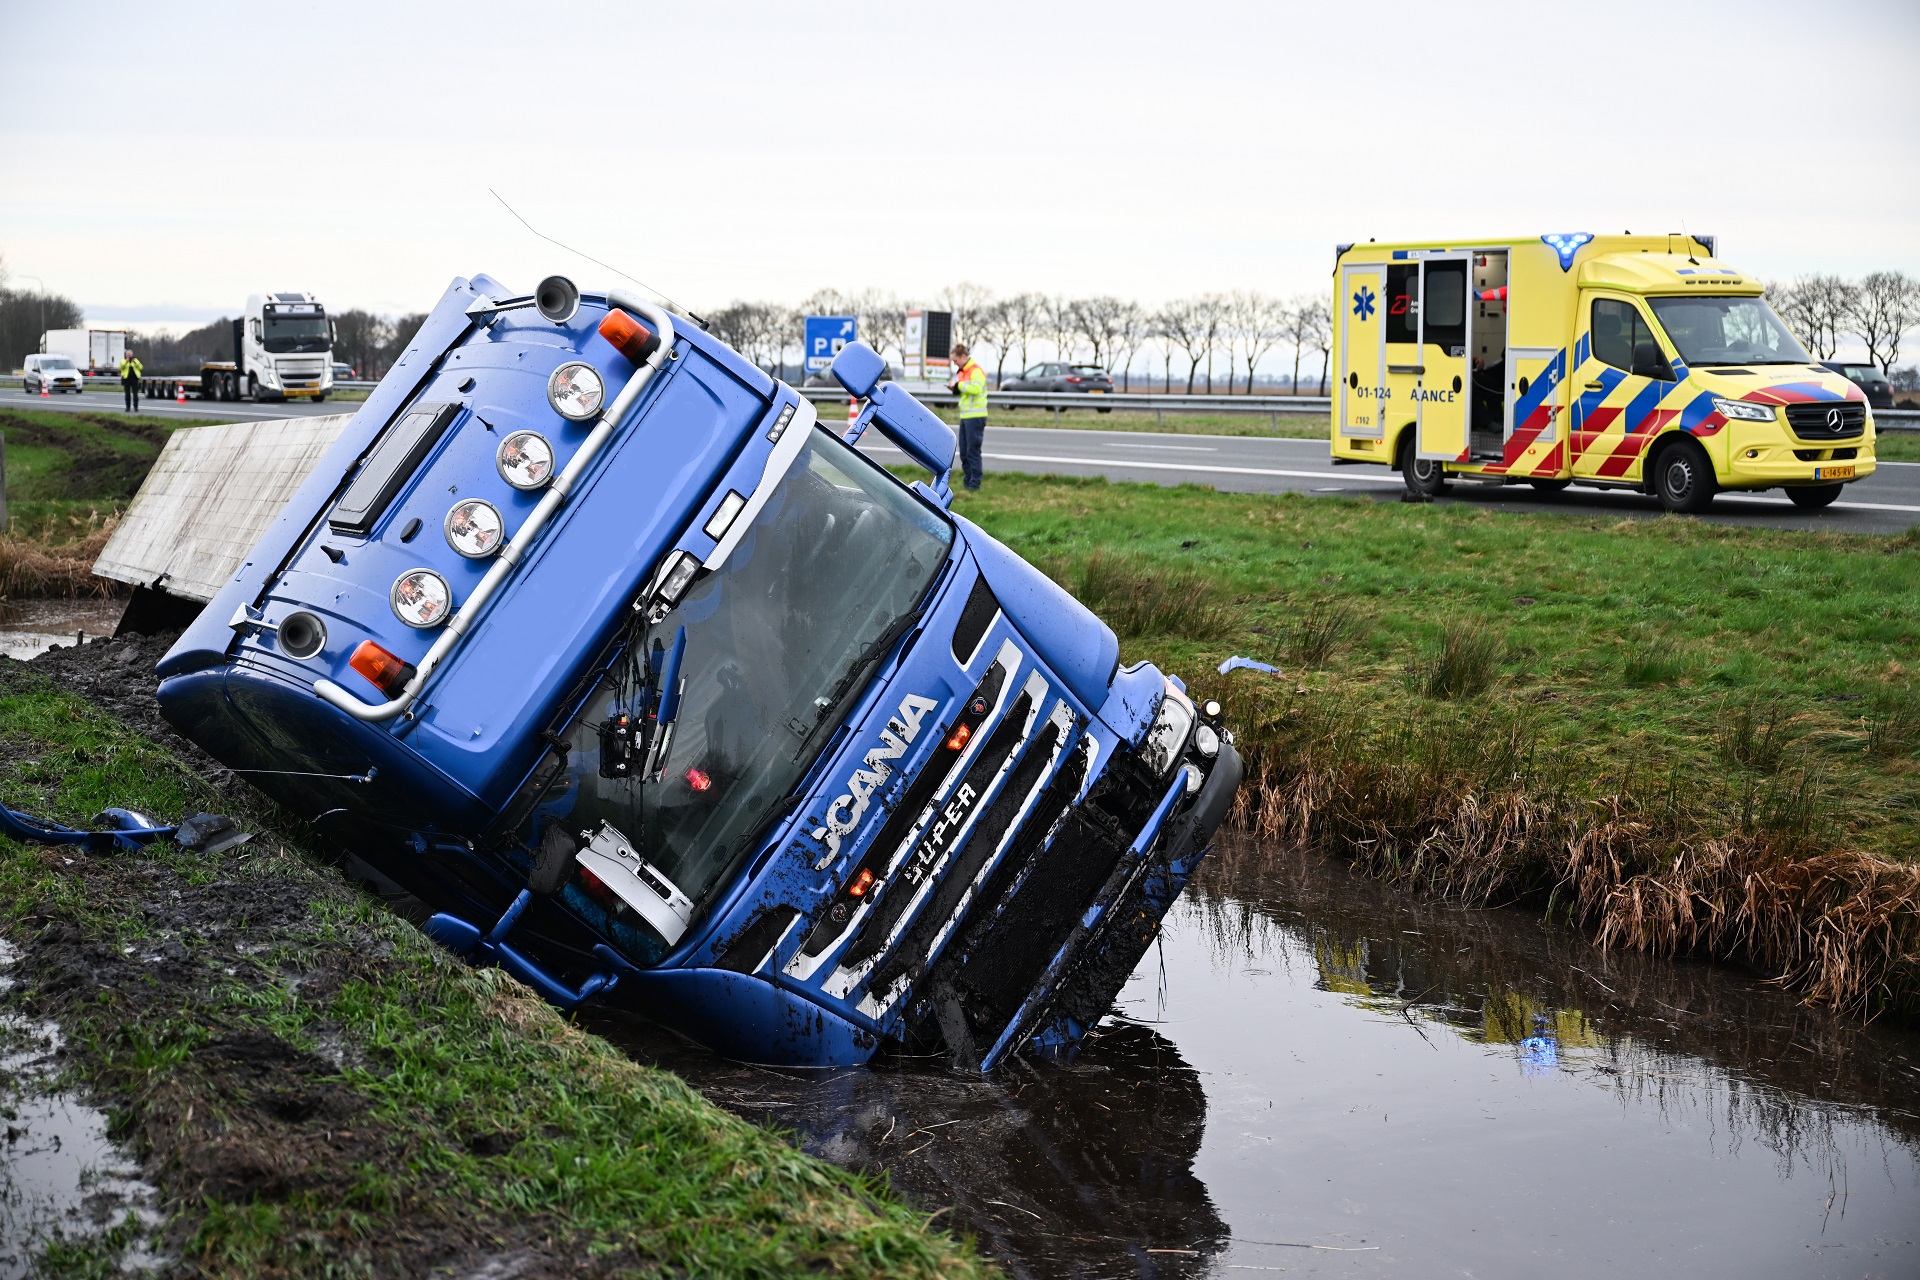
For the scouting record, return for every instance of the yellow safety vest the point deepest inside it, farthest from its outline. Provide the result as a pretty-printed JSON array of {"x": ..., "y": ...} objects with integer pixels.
[
  {"x": 973, "y": 390},
  {"x": 130, "y": 368}
]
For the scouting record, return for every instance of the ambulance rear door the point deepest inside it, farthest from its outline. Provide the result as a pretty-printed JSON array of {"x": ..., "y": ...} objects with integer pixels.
[
  {"x": 1442, "y": 385},
  {"x": 1363, "y": 350}
]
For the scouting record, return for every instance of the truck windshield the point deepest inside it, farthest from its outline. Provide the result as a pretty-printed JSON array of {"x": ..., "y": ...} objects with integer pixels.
[
  {"x": 1727, "y": 330},
  {"x": 832, "y": 570},
  {"x": 286, "y": 334}
]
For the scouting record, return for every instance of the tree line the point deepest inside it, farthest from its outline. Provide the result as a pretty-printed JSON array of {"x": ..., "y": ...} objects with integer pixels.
[
  {"x": 1879, "y": 309},
  {"x": 1204, "y": 342}
]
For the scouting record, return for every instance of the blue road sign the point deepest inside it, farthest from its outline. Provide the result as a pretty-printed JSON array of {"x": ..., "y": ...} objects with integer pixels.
[{"x": 825, "y": 335}]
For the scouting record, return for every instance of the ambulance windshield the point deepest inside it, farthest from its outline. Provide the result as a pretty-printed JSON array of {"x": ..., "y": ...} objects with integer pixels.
[{"x": 1727, "y": 330}]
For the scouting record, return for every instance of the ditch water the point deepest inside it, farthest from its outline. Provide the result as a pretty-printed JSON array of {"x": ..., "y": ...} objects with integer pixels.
[
  {"x": 28, "y": 628},
  {"x": 1317, "y": 1075}
]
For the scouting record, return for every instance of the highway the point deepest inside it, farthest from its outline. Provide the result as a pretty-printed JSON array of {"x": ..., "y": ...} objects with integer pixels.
[{"x": 1886, "y": 502}]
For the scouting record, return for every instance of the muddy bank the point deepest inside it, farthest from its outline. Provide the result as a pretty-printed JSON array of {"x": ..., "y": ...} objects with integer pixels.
[{"x": 313, "y": 1088}]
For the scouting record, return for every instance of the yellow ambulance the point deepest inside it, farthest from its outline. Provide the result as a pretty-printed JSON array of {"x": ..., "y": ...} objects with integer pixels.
[{"x": 1631, "y": 362}]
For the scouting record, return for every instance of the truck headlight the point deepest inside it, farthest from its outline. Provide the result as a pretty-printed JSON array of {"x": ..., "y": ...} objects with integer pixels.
[
  {"x": 575, "y": 391},
  {"x": 1168, "y": 737},
  {"x": 524, "y": 460},
  {"x": 421, "y": 598},
  {"x": 1742, "y": 410}
]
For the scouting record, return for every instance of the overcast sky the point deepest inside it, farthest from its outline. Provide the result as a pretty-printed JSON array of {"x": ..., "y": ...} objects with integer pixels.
[{"x": 163, "y": 161}]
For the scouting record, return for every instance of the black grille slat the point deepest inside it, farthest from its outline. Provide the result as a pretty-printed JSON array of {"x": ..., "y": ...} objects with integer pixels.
[
  {"x": 994, "y": 755},
  {"x": 988, "y": 832},
  {"x": 1827, "y": 420},
  {"x": 751, "y": 944},
  {"x": 975, "y": 617}
]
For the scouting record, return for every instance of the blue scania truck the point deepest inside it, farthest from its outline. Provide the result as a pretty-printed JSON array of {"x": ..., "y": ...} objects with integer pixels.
[{"x": 588, "y": 633}]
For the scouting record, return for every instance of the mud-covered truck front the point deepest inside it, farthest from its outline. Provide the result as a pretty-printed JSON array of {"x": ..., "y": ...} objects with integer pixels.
[{"x": 590, "y": 635}]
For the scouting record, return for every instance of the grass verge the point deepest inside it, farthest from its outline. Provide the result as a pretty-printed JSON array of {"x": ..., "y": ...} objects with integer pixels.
[
  {"x": 1695, "y": 738},
  {"x": 318, "y": 1091}
]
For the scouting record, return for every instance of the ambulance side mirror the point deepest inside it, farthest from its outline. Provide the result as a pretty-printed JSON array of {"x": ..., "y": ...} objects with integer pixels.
[{"x": 1649, "y": 363}]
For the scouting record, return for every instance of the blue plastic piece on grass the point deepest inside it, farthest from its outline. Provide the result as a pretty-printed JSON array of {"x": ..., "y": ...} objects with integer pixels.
[
  {"x": 466, "y": 941},
  {"x": 1237, "y": 663},
  {"x": 128, "y": 830}
]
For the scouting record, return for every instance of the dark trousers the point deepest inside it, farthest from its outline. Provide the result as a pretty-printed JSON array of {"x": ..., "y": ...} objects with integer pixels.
[
  {"x": 973, "y": 434},
  {"x": 131, "y": 386}
]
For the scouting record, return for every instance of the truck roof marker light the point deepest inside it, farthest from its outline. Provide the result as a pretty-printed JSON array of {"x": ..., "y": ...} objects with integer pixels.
[
  {"x": 626, "y": 335},
  {"x": 575, "y": 391},
  {"x": 524, "y": 460},
  {"x": 475, "y": 528},
  {"x": 388, "y": 673},
  {"x": 421, "y": 598},
  {"x": 1566, "y": 244},
  {"x": 530, "y": 529},
  {"x": 724, "y": 516}
]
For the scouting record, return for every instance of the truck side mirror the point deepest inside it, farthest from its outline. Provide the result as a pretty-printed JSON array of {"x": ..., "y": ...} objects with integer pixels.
[{"x": 1649, "y": 363}]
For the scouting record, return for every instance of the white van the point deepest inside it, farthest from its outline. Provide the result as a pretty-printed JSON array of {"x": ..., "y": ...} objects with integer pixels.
[{"x": 54, "y": 373}]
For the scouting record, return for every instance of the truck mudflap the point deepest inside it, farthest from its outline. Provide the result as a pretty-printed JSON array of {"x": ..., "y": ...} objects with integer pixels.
[{"x": 996, "y": 992}]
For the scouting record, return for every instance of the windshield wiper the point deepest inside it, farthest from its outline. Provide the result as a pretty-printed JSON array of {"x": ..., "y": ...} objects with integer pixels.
[{"x": 874, "y": 649}]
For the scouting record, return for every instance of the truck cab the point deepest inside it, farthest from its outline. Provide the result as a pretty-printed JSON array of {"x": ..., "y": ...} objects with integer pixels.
[
  {"x": 589, "y": 634},
  {"x": 283, "y": 350},
  {"x": 1636, "y": 362}
]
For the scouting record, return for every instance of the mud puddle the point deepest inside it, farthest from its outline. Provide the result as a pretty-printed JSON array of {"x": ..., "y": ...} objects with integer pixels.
[
  {"x": 1317, "y": 1075},
  {"x": 28, "y": 628},
  {"x": 62, "y": 1179}
]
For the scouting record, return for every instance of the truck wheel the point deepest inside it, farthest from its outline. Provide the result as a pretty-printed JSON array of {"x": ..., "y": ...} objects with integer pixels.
[
  {"x": 1812, "y": 497},
  {"x": 318, "y": 398},
  {"x": 1549, "y": 486},
  {"x": 1684, "y": 479},
  {"x": 253, "y": 388},
  {"x": 1424, "y": 477}
]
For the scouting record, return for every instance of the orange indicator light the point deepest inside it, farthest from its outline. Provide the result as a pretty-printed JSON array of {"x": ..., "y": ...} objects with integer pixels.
[
  {"x": 958, "y": 738},
  {"x": 698, "y": 780},
  {"x": 861, "y": 883}
]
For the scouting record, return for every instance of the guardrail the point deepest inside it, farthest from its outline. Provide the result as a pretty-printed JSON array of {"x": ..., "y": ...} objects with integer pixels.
[{"x": 1057, "y": 401}]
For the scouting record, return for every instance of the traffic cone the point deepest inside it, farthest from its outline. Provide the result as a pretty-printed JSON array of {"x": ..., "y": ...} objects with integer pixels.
[
  {"x": 179, "y": 393},
  {"x": 853, "y": 412},
  {"x": 44, "y": 393}
]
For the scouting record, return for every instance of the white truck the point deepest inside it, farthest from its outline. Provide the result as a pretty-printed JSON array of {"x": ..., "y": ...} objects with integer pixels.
[
  {"x": 283, "y": 350},
  {"x": 97, "y": 352}
]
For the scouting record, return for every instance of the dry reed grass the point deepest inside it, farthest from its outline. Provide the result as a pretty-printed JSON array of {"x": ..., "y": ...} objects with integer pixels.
[
  {"x": 45, "y": 568},
  {"x": 1474, "y": 807}
]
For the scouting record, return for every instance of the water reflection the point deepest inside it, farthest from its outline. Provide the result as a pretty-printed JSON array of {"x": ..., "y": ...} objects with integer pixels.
[
  {"x": 29, "y": 628},
  {"x": 1316, "y": 1074}
]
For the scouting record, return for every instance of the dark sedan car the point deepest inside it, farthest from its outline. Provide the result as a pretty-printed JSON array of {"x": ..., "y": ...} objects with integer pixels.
[
  {"x": 1868, "y": 378},
  {"x": 1057, "y": 375}
]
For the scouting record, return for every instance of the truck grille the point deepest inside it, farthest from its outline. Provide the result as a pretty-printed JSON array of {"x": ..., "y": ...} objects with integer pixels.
[{"x": 1827, "y": 421}]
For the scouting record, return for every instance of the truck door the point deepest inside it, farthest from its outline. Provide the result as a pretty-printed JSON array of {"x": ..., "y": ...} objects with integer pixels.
[
  {"x": 1441, "y": 388},
  {"x": 1623, "y": 376},
  {"x": 1363, "y": 350}
]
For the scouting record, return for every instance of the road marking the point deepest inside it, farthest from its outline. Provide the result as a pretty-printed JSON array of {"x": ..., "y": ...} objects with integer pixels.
[
  {"x": 1171, "y": 448},
  {"x": 1190, "y": 466}
]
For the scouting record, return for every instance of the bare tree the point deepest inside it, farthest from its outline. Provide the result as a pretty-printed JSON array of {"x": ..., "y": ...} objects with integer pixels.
[
  {"x": 966, "y": 301},
  {"x": 1184, "y": 325},
  {"x": 1883, "y": 307},
  {"x": 1816, "y": 309},
  {"x": 1024, "y": 313},
  {"x": 1129, "y": 331},
  {"x": 1297, "y": 324},
  {"x": 883, "y": 321},
  {"x": 1320, "y": 334},
  {"x": 1210, "y": 310},
  {"x": 998, "y": 327},
  {"x": 1060, "y": 325},
  {"x": 1258, "y": 321},
  {"x": 1098, "y": 321}
]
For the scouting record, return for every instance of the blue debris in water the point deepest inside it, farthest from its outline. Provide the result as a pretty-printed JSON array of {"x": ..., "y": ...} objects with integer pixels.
[
  {"x": 1236, "y": 663},
  {"x": 1539, "y": 1055}
]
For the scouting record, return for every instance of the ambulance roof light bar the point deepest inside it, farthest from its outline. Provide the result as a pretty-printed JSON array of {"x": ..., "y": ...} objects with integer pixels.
[
  {"x": 510, "y": 554},
  {"x": 1566, "y": 244}
]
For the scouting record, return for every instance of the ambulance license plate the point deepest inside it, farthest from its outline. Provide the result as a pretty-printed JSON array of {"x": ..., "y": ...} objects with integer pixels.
[{"x": 1833, "y": 473}]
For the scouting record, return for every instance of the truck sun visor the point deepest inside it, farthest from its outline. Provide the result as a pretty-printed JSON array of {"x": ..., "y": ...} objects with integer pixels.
[{"x": 398, "y": 455}]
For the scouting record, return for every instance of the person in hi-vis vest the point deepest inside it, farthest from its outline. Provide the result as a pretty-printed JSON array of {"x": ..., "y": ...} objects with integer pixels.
[
  {"x": 970, "y": 380},
  {"x": 130, "y": 369}
]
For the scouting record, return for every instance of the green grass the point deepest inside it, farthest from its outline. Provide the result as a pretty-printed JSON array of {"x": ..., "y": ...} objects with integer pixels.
[
  {"x": 1622, "y": 641},
  {"x": 465, "y": 1117},
  {"x": 65, "y": 470},
  {"x": 1291, "y": 426},
  {"x": 1897, "y": 446}
]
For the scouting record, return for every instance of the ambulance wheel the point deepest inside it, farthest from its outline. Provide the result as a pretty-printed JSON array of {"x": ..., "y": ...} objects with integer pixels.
[
  {"x": 1549, "y": 486},
  {"x": 1424, "y": 477},
  {"x": 1684, "y": 479},
  {"x": 1811, "y": 497}
]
